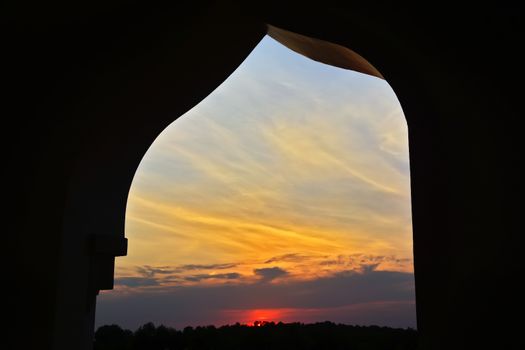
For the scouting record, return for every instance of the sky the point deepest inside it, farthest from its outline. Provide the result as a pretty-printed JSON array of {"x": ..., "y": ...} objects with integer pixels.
[{"x": 282, "y": 196}]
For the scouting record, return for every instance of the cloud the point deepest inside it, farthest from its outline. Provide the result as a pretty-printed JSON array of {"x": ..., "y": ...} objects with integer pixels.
[
  {"x": 387, "y": 296},
  {"x": 293, "y": 257},
  {"x": 294, "y": 266},
  {"x": 321, "y": 168},
  {"x": 136, "y": 281},
  {"x": 360, "y": 262},
  {"x": 222, "y": 276},
  {"x": 149, "y": 271},
  {"x": 191, "y": 267},
  {"x": 270, "y": 273}
]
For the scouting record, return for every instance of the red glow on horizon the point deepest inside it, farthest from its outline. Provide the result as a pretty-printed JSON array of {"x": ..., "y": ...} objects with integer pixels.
[
  {"x": 346, "y": 314},
  {"x": 258, "y": 317}
]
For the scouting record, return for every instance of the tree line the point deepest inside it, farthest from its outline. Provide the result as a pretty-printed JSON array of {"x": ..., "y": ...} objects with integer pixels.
[{"x": 262, "y": 335}]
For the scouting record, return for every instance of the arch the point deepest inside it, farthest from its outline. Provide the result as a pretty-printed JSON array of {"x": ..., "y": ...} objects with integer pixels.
[
  {"x": 98, "y": 81},
  {"x": 103, "y": 194}
]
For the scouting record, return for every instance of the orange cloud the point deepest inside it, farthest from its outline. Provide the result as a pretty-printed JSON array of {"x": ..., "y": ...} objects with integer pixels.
[{"x": 274, "y": 170}]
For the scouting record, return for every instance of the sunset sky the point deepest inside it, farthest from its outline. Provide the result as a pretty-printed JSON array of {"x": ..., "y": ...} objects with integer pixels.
[{"x": 282, "y": 196}]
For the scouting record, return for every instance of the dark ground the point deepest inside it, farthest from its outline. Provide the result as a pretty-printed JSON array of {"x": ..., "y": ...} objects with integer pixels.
[{"x": 325, "y": 335}]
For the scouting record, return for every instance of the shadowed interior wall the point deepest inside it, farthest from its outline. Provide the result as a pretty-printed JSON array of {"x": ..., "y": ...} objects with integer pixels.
[{"x": 90, "y": 88}]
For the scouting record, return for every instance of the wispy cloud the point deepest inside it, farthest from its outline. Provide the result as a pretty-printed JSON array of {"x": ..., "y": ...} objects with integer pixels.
[
  {"x": 192, "y": 267},
  {"x": 359, "y": 261},
  {"x": 292, "y": 257},
  {"x": 289, "y": 173},
  {"x": 286, "y": 267},
  {"x": 136, "y": 281},
  {"x": 220, "y": 276},
  {"x": 149, "y": 271}
]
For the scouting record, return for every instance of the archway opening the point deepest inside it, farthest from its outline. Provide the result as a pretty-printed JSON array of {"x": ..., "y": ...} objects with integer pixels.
[{"x": 283, "y": 196}]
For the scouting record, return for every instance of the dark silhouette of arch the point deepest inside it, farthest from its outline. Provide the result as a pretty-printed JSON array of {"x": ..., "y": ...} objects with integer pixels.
[{"x": 89, "y": 89}]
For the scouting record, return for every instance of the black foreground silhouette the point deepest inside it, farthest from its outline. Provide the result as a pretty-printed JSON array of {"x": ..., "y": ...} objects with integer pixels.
[{"x": 262, "y": 335}]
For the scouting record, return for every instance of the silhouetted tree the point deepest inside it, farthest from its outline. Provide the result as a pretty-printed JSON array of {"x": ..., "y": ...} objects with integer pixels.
[
  {"x": 263, "y": 335},
  {"x": 113, "y": 337}
]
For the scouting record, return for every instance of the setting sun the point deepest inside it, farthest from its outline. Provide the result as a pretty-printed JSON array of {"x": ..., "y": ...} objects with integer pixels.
[{"x": 260, "y": 316}]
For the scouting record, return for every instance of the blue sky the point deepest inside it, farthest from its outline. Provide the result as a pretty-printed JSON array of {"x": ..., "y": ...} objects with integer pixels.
[{"x": 285, "y": 194}]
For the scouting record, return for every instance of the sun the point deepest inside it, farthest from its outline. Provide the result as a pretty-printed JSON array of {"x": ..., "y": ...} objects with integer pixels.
[{"x": 259, "y": 317}]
